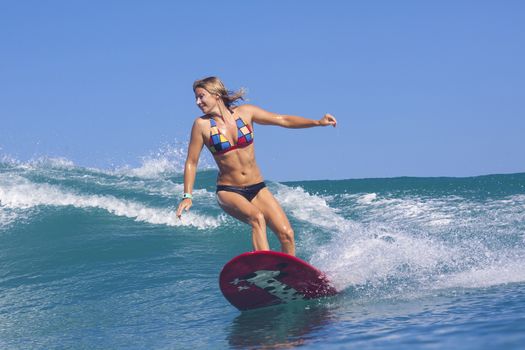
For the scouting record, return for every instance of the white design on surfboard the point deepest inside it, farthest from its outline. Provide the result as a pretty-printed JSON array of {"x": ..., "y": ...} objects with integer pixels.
[{"x": 266, "y": 279}]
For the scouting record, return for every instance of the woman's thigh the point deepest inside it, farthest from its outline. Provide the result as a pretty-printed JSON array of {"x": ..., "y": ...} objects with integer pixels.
[
  {"x": 237, "y": 206},
  {"x": 273, "y": 212}
]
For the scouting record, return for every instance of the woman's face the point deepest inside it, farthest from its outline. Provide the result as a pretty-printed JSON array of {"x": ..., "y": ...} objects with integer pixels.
[{"x": 207, "y": 102}]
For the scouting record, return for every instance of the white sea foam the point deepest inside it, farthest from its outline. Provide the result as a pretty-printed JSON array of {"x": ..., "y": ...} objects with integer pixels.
[
  {"x": 427, "y": 212},
  {"x": 8, "y": 216},
  {"x": 310, "y": 208},
  {"x": 380, "y": 254},
  {"x": 359, "y": 253},
  {"x": 19, "y": 193},
  {"x": 408, "y": 239},
  {"x": 367, "y": 198},
  {"x": 149, "y": 177},
  {"x": 509, "y": 269},
  {"x": 373, "y": 258},
  {"x": 153, "y": 167},
  {"x": 164, "y": 188},
  {"x": 169, "y": 159},
  {"x": 38, "y": 163},
  {"x": 51, "y": 162},
  {"x": 407, "y": 210},
  {"x": 447, "y": 213}
]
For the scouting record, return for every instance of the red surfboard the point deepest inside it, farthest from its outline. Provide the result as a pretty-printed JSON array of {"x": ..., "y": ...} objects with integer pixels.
[{"x": 264, "y": 278}]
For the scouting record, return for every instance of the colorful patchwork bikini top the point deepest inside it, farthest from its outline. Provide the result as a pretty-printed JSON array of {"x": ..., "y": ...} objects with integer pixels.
[{"x": 219, "y": 144}]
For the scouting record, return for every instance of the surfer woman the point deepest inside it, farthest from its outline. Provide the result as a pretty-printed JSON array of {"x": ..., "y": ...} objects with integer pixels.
[{"x": 227, "y": 131}]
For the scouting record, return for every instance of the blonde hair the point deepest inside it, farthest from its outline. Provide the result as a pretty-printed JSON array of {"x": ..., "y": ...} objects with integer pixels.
[{"x": 215, "y": 87}]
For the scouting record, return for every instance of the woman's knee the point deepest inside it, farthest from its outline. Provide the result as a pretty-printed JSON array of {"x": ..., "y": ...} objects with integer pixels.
[
  {"x": 257, "y": 220},
  {"x": 286, "y": 234}
]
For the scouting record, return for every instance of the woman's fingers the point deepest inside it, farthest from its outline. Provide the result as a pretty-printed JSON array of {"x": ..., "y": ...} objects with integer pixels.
[
  {"x": 329, "y": 119},
  {"x": 184, "y": 205}
]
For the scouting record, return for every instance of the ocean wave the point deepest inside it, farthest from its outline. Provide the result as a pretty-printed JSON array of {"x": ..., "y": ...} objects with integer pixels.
[
  {"x": 384, "y": 242},
  {"x": 438, "y": 213},
  {"x": 167, "y": 161},
  {"x": 19, "y": 193}
]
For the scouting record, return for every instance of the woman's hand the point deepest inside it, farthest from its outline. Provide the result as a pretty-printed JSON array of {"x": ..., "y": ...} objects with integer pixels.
[
  {"x": 328, "y": 119},
  {"x": 184, "y": 205}
]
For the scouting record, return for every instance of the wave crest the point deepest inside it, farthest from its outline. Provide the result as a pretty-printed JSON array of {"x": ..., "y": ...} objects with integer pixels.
[{"x": 18, "y": 193}]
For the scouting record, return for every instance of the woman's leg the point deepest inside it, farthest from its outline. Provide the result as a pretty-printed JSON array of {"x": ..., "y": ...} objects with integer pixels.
[
  {"x": 276, "y": 219},
  {"x": 241, "y": 209}
]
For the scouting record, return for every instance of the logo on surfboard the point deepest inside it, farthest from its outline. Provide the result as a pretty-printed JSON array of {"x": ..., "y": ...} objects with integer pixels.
[{"x": 267, "y": 280}]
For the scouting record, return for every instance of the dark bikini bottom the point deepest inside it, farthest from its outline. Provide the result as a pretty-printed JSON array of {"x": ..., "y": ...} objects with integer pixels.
[{"x": 248, "y": 192}]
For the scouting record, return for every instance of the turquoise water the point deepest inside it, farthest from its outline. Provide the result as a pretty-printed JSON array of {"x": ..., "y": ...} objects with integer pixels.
[{"x": 96, "y": 259}]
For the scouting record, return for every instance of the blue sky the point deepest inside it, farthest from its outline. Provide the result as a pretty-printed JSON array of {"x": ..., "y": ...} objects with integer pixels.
[{"x": 419, "y": 88}]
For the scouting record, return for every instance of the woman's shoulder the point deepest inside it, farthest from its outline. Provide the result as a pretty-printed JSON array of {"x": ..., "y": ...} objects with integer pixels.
[
  {"x": 243, "y": 107},
  {"x": 245, "y": 110},
  {"x": 202, "y": 119},
  {"x": 202, "y": 122}
]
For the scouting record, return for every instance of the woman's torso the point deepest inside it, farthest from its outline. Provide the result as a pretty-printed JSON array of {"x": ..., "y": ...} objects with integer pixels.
[{"x": 236, "y": 160}]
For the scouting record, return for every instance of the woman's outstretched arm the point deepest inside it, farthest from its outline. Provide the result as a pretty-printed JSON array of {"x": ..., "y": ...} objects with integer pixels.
[{"x": 261, "y": 116}]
